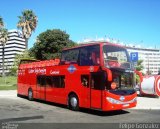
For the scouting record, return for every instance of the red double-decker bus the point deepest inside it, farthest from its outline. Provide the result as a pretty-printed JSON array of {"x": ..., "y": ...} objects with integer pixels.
[{"x": 96, "y": 75}]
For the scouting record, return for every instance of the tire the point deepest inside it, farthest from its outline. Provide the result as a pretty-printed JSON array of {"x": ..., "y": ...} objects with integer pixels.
[
  {"x": 30, "y": 94},
  {"x": 73, "y": 102},
  {"x": 18, "y": 95}
]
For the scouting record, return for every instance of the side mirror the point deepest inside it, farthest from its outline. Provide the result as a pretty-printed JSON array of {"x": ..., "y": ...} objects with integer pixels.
[{"x": 109, "y": 74}]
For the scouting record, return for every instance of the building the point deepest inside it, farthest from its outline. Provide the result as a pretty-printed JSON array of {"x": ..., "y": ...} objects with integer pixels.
[
  {"x": 150, "y": 57},
  {"x": 15, "y": 45}
]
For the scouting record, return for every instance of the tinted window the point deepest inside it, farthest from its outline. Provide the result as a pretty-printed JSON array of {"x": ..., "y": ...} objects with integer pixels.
[
  {"x": 51, "y": 81},
  {"x": 70, "y": 56},
  {"x": 90, "y": 55},
  {"x": 58, "y": 81},
  {"x": 41, "y": 80}
]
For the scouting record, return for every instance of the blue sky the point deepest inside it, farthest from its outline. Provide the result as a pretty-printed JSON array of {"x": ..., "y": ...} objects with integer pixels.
[{"x": 130, "y": 21}]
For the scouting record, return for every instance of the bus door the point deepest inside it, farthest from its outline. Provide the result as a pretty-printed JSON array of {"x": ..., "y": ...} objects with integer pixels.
[
  {"x": 85, "y": 82},
  {"x": 96, "y": 87},
  {"x": 41, "y": 87}
]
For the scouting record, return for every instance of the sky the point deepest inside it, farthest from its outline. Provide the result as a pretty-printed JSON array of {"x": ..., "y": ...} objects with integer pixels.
[{"x": 134, "y": 22}]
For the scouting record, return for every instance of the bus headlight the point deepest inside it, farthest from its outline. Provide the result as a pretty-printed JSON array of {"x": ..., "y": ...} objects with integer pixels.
[{"x": 114, "y": 101}]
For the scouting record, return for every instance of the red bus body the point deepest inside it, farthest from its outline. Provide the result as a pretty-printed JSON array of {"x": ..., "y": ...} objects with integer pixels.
[{"x": 56, "y": 80}]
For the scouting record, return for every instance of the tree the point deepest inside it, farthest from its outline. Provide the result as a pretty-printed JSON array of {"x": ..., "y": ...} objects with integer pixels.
[
  {"x": 28, "y": 23},
  {"x": 139, "y": 66},
  {"x": 18, "y": 58},
  {"x": 3, "y": 40},
  {"x": 50, "y": 43},
  {"x": 1, "y": 22}
]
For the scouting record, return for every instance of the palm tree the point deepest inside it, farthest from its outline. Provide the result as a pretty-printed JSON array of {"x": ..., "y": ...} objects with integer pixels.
[
  {"x": 3, "y": 40},
  {"x": 139, "y": 66},
  {"x": 1, "y": 22},
  {"x": 27, "y": 22}
]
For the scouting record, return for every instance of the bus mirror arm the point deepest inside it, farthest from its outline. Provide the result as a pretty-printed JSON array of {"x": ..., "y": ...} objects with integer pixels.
[{"x": 109, "y": 74}]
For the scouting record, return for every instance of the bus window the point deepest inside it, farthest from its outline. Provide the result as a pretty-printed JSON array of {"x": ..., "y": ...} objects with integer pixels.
[
  {"x": 90, "y": 56},
  {"x": 70, "y": 57},
  {"x": 41, "y": 80},
  {"x": 51, "y": 81},
  {"x": 85, "y": 80},
  {"x": 58, "y": 81}
]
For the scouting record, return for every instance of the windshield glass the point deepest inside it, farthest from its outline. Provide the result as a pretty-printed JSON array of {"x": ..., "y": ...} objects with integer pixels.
[
  {"x": 116, "y": 57},
  {"x": 124, "y": 83}
]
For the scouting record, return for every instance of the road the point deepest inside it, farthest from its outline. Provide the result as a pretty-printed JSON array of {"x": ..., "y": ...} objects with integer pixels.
[{"x": 15, "y": 109}]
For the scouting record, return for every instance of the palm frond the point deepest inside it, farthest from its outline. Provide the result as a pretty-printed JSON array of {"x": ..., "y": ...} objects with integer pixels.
[
  {"x": 1, "y": 22},
  {"x": 27, "y": 22},
  {"x": 3, "y": 35}
]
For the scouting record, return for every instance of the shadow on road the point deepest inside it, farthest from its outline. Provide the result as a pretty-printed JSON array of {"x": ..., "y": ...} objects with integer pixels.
[
  {"x": 104, "y": 113},
  {"x": 84, "y": 110},
  {"x": 88, "y": 111},
  {"x": 21, "y": 119},
  {"x": 148, "y": 96}
]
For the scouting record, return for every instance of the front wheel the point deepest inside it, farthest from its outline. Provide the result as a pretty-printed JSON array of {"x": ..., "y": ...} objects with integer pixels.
[
  {"x": 73, "y": 102},
  {"x": 30, "y": 94}
]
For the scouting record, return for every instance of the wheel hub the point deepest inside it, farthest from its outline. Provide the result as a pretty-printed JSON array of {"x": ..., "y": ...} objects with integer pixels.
[
  {"x": 73, "y": 102},
  {"x": 30, "y": 94}
]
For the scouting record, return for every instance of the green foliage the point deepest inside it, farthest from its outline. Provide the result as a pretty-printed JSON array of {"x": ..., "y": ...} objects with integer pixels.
[
  {"x": 13, "y": 71},
  {"x": 8, "y": 87},
  {"x": 3, "y": 40},
  {"x": 8, "y": 81},
  {"x": 27, "y": 23},
  {"x": 3, "y": 35},
  {"x": 139, "y": 66},
  {"x": 18, "y": 58},
  {"x": 50, "y": 43},
  {"x": 1, "y": 22},
  {"x": 137, "y": 79}
]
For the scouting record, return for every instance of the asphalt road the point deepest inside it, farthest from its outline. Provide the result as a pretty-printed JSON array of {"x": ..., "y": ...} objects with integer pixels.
[{"x": 20, "y": 110}]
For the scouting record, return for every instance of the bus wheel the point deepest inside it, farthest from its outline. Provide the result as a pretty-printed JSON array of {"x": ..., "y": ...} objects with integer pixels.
[
  {"x": 73, "y": 102},
  {"x": 30, "y": 94}
]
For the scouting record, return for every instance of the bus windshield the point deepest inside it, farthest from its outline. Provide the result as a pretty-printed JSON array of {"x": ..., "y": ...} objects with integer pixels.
[{"x": 116, "y": 57}]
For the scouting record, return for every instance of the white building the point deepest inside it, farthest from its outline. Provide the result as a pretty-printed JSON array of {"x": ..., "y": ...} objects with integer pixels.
[
  {"x": 15, "y": 45},
  {"x": 150, "y": 57}
]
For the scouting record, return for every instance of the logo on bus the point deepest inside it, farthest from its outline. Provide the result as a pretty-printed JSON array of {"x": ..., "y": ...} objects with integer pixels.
[
  {"x": 54, "y": 72},
  {"x": 71, "y": 69},
  {"x": 122, "y": 98},
  {"x": 41, "y": 71}
]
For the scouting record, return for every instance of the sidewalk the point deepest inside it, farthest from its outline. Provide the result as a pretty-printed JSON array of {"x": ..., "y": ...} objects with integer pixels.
[
  {"x": 8, "y": 94},
  {"x": 148, "y": 103}
]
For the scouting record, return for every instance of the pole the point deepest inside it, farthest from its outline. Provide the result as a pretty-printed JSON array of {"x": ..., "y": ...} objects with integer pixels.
[
  {"x": 3, "y": 71},
  {"x": 148, "y": 64}
]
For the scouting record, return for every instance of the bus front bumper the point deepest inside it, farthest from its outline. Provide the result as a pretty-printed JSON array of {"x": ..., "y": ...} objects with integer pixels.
[{"x": 116, "y": 102}]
